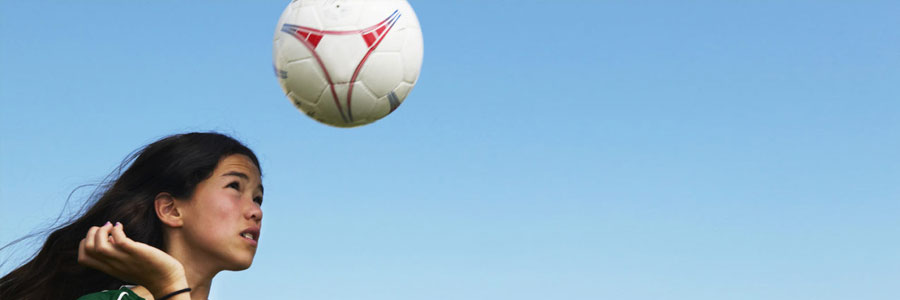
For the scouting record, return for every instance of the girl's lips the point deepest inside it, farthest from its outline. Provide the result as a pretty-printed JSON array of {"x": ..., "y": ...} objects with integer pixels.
[
  {"x": 254, "y": 232},
  {"x": 251, "y": 241}
]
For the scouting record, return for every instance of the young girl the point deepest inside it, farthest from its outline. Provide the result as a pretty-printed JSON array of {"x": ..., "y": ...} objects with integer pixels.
[{"x": 187, "y": 207}]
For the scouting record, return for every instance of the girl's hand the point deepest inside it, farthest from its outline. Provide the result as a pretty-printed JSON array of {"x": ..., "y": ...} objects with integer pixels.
[{"x": 107, "y": 249}]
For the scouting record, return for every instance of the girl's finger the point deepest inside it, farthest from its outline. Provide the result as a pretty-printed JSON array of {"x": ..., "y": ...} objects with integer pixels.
[
  {"x": 119, "y": 239},
  {"x": 89, "y": 238},
  {"x": 81, "y": 254},
  {"x": 101, "y": 239},
  {"x": 86, "y": 259}
]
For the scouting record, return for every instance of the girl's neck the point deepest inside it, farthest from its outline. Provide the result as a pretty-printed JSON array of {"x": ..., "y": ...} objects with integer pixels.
[
  {"x": 198, "y": 282},
  {"x": 198, "y": 272},
  {"x": 199, "y": 286}
]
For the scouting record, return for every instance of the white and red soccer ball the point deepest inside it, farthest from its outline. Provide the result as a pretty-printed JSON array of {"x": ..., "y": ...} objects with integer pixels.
[{"x": 347, "y": 63}]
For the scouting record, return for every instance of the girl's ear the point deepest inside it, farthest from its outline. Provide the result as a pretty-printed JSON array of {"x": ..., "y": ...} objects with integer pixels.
[{"x": 167, "y": 210}]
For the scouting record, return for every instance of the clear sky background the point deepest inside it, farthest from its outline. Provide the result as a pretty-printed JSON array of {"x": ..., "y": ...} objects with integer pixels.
[{"x": 551, "y": 149}]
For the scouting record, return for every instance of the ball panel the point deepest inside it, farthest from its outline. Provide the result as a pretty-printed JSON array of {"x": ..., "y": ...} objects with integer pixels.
[
  {"x": 393, "y": 41},
  {"x": 288, "y": 49},
  {"x": 285, "y": 15},
  {"x": 339, "y": 14},
  {"x": 327, "y": 110},
  {"x": 304, "y": 78},
  {"x": 303, "y": 15},
  {"x": 381, "y": 107},
  {"x": 409, "y": 18},
  {"x": 377, "y": 11},
  {"x": 341, "y": 54},
  {"x": 382, "y": 73},
  {"x": 412, "y": 55},
  {"x": 304, "y": 105},
  {"x": 402, "y": 91},
  {"x": 361, "y": 102}
]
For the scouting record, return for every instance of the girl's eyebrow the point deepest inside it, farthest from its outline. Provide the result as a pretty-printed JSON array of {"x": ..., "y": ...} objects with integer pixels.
[
  {"x": 238, "y": 174},
  {"x": 243, "y": 176}
]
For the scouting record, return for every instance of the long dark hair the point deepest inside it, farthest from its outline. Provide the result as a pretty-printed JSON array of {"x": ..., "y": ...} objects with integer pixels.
[{"x": 175, "y": 164}]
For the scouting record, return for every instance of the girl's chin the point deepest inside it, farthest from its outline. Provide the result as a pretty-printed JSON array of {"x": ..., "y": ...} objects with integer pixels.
[
  {"x": 239, "y": 268},
  {"x": 241, "y": 264}
]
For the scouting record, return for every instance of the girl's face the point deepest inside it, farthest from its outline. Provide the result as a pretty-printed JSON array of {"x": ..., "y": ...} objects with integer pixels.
[{"x": 223, "y": 218}]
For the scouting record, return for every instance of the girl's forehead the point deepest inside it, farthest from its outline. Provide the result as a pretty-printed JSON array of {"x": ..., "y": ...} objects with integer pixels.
[{"x": 238, "y": 162}]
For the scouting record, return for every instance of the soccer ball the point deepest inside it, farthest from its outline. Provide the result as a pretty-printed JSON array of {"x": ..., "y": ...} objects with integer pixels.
[{"x": 347, "y": 63}]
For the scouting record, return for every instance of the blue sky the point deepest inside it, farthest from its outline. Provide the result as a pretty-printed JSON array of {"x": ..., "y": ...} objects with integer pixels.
[{"x": 550, "y": 150}]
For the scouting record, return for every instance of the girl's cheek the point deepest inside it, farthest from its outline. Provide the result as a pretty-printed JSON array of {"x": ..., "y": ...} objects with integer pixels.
[{"x": 223, "y": 205}]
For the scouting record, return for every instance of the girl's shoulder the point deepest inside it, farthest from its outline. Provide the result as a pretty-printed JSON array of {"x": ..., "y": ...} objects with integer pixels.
[{"x": 122, "y": 293}]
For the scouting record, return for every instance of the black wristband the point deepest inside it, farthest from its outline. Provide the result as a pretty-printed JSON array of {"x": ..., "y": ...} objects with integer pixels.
[{"x": 172, "y": 294}]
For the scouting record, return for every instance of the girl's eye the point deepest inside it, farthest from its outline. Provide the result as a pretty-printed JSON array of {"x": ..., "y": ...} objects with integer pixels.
[
  {"x": 258, "y": 200},
  {"x": 234, "y": 185}
]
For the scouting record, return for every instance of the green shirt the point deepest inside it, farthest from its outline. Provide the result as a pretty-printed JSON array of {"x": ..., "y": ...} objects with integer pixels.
[{"x": 122, "y": 293}]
